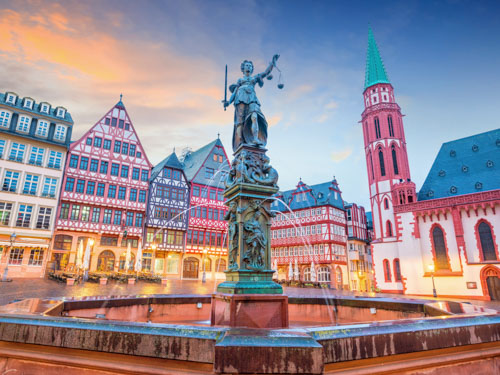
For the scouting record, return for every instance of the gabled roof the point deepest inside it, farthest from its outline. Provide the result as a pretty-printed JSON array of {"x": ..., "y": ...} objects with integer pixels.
[
  {"x": 464, "y": 166},
  {"x": 170, "y": 161},
  {"x": 375, "y": 70},
  {"x": 194, "y": 161},
  {"x": 316, "y": 195}
]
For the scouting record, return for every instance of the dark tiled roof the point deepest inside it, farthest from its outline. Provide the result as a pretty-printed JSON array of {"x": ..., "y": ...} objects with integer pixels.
[
  {"x": 194, "y": 161},
  {"x": 36, "y": 109},
  {"x": 170, "y": 161},
  {"x": 464, "y": 166}
]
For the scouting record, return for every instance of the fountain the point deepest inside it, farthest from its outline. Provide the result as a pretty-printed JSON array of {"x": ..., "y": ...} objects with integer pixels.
[{"x": 249, "y": 325}]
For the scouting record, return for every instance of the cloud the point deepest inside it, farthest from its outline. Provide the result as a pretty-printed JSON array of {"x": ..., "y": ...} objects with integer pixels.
[
  {"x": 331, "y": 105},
  {"x": 274, "y": 120},
  {"x": 338, "y": 156}
]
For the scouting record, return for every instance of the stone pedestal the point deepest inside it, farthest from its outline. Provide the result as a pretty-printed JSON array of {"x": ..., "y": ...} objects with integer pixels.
[{"x": 250, "y": 310}]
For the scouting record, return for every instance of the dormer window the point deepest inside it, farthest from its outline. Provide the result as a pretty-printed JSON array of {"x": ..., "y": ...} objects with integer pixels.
[
  {"x": 28, "y": 103},
  {"x": 23, "y": 124},
  {"x": 60, "y": 133},
  {"x": 60, "y": 112},
  {"x": 11, "y": 98},
  {"x": 44, "y": 108}
]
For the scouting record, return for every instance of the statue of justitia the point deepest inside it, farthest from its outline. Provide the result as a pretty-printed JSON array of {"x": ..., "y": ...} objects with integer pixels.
[{"x": 250, "y": 125}]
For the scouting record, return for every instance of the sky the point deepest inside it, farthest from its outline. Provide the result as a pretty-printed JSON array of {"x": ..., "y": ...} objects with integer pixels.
[{"x": 167, "y": 58}]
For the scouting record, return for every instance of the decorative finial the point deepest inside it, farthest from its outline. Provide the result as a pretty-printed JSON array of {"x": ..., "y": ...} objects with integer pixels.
[
  {"x": 218, "y": 135},
  {"x": 121, "y": 96},
  {"x": 174, "y": 150}
]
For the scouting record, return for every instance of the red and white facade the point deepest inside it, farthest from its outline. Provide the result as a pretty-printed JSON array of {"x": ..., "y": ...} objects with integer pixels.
[{"x": 104, "y": 195}]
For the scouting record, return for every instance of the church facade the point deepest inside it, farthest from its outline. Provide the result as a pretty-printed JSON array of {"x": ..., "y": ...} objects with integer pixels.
[{"x": 445, "y": 237}]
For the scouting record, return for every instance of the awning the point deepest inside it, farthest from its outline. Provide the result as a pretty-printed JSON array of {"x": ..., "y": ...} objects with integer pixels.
[{"x": 23, "y": 244}]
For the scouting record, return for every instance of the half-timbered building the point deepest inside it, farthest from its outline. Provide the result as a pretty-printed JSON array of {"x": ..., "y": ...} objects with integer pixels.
[
  {"x": 167, "y": 216},
  {"x": 310, "y": 226},
  {"x": 34, "y": 140},
  {"x": 206, "y": 247},
  {"x": 104, "y": 195}
]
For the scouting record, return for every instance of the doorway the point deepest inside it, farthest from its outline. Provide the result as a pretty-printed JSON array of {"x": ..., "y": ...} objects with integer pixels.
[{"x": 190, "y": 268}]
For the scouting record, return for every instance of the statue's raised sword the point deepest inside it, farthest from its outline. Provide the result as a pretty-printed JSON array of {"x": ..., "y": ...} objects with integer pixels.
[{"x": 225, "y": 91}]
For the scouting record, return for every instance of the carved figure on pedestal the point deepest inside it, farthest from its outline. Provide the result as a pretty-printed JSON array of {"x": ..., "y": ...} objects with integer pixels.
[
  {"x": 267, "y": 175},
  {"x": 250, "y": 125},
  {"x": 232, "y": 234},
  {"x": 256, "y": 243}
]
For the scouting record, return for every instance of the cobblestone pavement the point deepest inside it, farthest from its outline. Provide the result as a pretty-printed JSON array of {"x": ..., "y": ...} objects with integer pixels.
[{"x": 43, "y": 288}]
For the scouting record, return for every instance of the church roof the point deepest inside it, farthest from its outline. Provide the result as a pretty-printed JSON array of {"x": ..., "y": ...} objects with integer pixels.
[
  {"x": 327, "y": 193},
  {"x": 375, "y": 70},
  {"x": 464, "y": 166},
  {"x": 170, "y": 161}
]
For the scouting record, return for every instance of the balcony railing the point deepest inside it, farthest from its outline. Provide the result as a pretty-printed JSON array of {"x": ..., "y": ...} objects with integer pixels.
[
  {"x": 48, "y": 195},
  {"x": 29, "y": 192},
  {"x": 9, "y": 188},
  {"x": 35, "y": 162},
  {"x": 54, "y": 166}
]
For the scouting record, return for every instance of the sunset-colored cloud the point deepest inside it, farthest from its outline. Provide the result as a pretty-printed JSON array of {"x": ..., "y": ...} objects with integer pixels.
[{"x": 338, "y": 156}]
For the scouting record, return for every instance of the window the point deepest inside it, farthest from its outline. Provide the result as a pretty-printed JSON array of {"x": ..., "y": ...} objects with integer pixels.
[
  {"x": 209, "y": 173},
  {"x": 127, "y": 126},
  {"x": 61, "y": 112},
  {"x": 391, "y": 127},
  {"x": 112, "y": 191},
  {"x": 135, "y": 173},
  {"x": 28, "y": 103},
  {"x": 60, "y": 133},
  {"x": 84, "y": 163},
  {"x": 104, "y": 167},
  {"x": 144, "y": 175},
  {"x": 177, "y": 175},
  {"x": 323, "y": 274},
  {"x": 121, "y": 124},
  {"x": 94, "y": 164},
  {"x": 55, "y": 158},
  {"x": 43, "y": 220},
  {"x": 125, "y": 148},
  {"x": 36, "y": 155},
  {"x": 377, "y": 128},
  {"x": 96, "y": 213},
  {"x": 80, "y": 186},
  {"x": 5, "y": 212},
  {"x": 196, "y": 191},
  {"x": 109, "y": 241},
  {"x": 388, "y": 227},
  {"x": 42, "y": 128},
  {"x": 130, "y": 219},
  {"x": 11, "y": 99},
  {"x": 124, "y": 173},
  {"x": 4, "y": 119},
  {"x": 17, "y": 152},
  {"x": 44, "y": 108},
  {"x": 100, "y": 189},
  {"x": 220, "y": 196},
  {"x": 394, "y": 160},
  {"x": 89, "y": 141},
  {"x": 386, "y": 203},
  {"x": 36, "y": 257},
  {"x": 440, "y": 254},
  {"x": 24, "y": 216},
  {"x": 147, "y": 260},
  {"x": 132, "y": 150},
  {"x": 16, "y": 256},
  {"x": 85, "y": 213},
  {"x": 64, "y": 211},
  {"x": 142, "y": 196},
  {"x": 97, "y": 142},
  {"x": 118, "y": 146},
  {"x": 138, "y": 155},
  {"x": 2, "y": 147},
  {"x": 381, "y": 162},
  {"x": 213, "y": 194},
  {"x": 118, "y": 218},
  {"x": 30, "y": 184},
  {"x": 23, "y": 124},
  {"x": 133, "y": 195},
  {"x": 107, "y": 216},
  {"x": 138, "y": 220},
  {"x": 107, "y": 144},
  {"x": 204, "y": 192},
  {"x": 387, "y": 271},
  {"x": 122, "y": 192},
  {"x": 114, "y": 169},
  {"x": 73, "y": 161},
  {"x": 10, "y": 181},
  {"x": 106, "y": 120},
  {"x": 90, "y": 187},
  {"x": 397, "y": 270},
  {"x": 486, "y": 240},
  {"x": 75, "y": 212}
]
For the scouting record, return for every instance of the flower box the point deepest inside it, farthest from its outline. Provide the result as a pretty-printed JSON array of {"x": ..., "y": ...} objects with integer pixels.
[
  {"x": 164, "y": 281},
  {"x": 131, "y": 281},
  {"x": 103, "y": 280},
  {"x": 70, "y": 281}
]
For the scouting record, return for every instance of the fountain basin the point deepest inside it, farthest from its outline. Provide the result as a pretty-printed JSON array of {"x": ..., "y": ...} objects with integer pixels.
[{"x": 180, "y": 336}]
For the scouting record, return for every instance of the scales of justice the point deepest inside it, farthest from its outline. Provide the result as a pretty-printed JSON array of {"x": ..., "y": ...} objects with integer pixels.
[{"x": 249, "y": 297}]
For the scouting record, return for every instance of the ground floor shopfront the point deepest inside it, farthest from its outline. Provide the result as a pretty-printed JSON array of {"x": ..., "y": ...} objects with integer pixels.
[
  {"x": 334, "y": 274},
  {"x": 23, "y": 256}
]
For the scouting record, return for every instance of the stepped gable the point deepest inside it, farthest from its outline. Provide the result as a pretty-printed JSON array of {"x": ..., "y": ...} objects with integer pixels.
[{"x": 464, "y": 166}]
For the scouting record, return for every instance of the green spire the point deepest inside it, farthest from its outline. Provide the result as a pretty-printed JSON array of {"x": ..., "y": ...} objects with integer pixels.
[{"x": 375, "y": 71}]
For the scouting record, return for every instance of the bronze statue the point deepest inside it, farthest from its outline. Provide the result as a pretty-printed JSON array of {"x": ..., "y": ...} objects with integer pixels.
[{"x": 250, "y": 125}]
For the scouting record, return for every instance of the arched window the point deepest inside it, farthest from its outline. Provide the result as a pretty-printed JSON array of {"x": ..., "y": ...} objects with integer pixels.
[
  {"x": 62, "y": 242},
  {"x": 394, "y": 161},
  {"x": 387, "y": 270},
  {"x": 323, "y": 274},
  {"x": 397, "y": 270},
  {"x": 207, "y": 264},
  {"x": 220, "y": 265},
  {"x": 371, "y": 165},
  {"x": 377, "y": 128},
  {"x": 442, "y": 262},
  {"x": 106, "y": 261},
  {"x": 307, "y": 274},
  {"x": 391, "y": 127},
  {"x": 381, "y": 161},
  {"x": 388, "y": 226},
  {"x": 486, "y": 240},
  {"x": 386, "y": 203}
]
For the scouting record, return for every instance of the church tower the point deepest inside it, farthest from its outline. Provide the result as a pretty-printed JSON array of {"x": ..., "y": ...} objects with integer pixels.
[{"x": 385, "y": 148}]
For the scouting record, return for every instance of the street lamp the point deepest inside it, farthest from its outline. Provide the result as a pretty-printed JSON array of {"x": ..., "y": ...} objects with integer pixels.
[
  {"x": 204, "y": 277},
  {"x": 6, "y": 270},
  {"x": 431, "y": 268}
]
